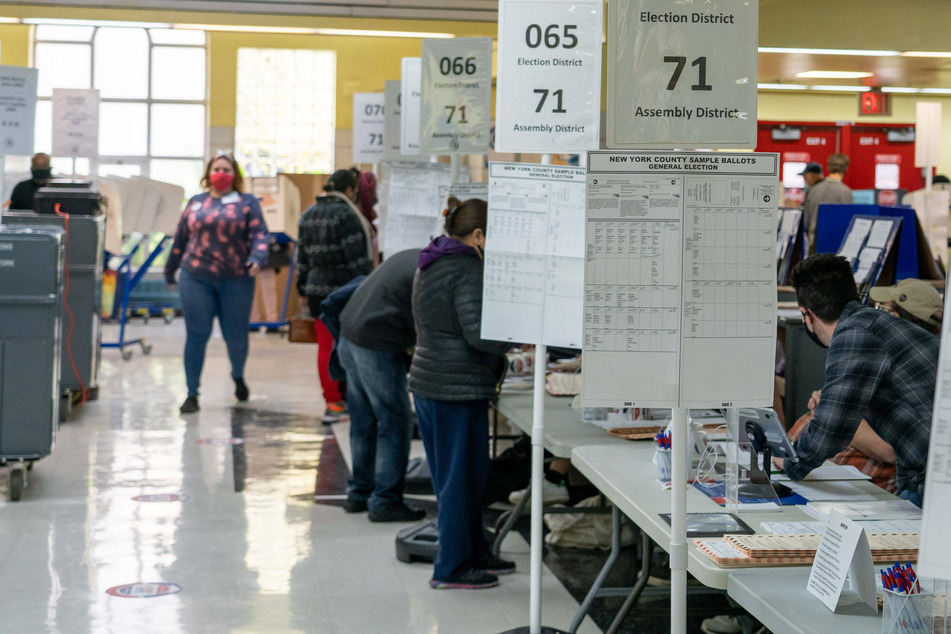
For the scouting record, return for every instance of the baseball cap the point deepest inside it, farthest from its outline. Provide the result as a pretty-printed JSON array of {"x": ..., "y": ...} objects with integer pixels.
[
  {"x": 812, "y": 167},
  {"x": 917, "y": 297}
]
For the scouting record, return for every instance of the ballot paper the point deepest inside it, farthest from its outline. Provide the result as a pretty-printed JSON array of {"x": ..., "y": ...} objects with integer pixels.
[
  {"x": 871, "y": 526},
  {"x": 829, "y": 472},
  {"x": 823, "y": 490},
  {"x": 856, "y": 238},
  {"x": 878, "y": 510},
  {"x": 881, "y": 229}
]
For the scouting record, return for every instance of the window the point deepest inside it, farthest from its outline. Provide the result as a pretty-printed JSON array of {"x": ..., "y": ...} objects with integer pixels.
[
  {"x": 152, "y": 86},
  {"x": 285, "y": 110}
]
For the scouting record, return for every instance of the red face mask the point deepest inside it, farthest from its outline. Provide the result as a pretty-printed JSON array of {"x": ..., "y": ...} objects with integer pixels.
[{"x": 221, "y": 181}]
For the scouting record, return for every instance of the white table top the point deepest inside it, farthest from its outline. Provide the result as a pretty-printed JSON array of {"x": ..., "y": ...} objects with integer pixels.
[
  {"x": 626, "y": 475},
  {"x": 778, "y": 598},
  {"x": 564, "y": 429}
]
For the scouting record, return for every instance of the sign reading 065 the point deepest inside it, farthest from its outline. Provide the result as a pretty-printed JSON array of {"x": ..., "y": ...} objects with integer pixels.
[
  {"x": 456, "y": 96},
  {"x": 549, "y": 83}
]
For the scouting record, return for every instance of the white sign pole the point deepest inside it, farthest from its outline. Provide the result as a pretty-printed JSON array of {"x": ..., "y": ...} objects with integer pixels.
[{"x": 678, "y": 522}]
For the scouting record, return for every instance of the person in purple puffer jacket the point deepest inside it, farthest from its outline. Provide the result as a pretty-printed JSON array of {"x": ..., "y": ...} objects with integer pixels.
[{"x": 221, "y": 244}]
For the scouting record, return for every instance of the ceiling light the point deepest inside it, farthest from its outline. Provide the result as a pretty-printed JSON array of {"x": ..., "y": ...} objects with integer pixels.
[
  {"x": 59, "y": 22},
  {"x": 841, "y": 88},
  {"x": 935, "y": 91},
  {"x": 827, "y": 51},
  {"x": 925, "y": 54},
  {"x": 833, "y": 74},
  {"x": 898, "y": 89},
  {"x": 781, "y": 86},
  {"x": 362, "y": 32},
  {"x": 235, "y": 28},
  {"x": 9, "y": 20}
]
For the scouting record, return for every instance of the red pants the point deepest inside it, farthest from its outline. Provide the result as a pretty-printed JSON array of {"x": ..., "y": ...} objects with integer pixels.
[{"x": 325, "y": 344}]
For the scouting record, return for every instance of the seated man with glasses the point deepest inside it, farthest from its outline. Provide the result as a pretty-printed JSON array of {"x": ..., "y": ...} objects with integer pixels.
[{"x": 880, "y": 368}]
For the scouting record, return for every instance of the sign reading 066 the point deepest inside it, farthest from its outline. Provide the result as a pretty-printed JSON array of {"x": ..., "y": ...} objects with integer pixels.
[
  {"x": 549, "y": 84},
  {"x": 456, "y": 96}
]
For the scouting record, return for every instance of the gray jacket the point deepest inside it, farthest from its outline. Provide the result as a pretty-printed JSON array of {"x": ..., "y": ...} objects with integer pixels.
[{"x": 452, "y": 362}]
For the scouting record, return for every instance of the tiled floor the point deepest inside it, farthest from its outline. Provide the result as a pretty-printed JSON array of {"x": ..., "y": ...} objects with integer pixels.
[{"x": 249, "y": 548}]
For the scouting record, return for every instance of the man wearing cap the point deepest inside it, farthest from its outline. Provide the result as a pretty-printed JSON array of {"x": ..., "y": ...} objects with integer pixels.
[
  {"x": 914, "y": 300},
  {"x": 879, "y": 368},
  {"x": 819, "y": 190}
]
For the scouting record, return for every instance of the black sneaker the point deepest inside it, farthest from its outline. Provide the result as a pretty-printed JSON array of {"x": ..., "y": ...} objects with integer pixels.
[
  {"x": 470, "y": 580},
  {"x": 190, "y": 405},
  {"x": 241, "y": 390},
  {"x": 396, "y": 513},
  {"x": 353, "y": 505},
  {"x": 495, "y": 565}
]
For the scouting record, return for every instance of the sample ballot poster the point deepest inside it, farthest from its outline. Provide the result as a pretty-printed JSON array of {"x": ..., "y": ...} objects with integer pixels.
[
  {"x": 456, "y": 96},
  {"x": 411, "y": 203},
  {"x": 534, "y": 254},
  {"x": 934, "y": 553},
  {"x": 682, "y": 74},
  {"x": 680, "y": 279},
  {"x": 368, "y": 127},
  {"x": 17, "y": 110},
  {"x": 549, "y": 85}
]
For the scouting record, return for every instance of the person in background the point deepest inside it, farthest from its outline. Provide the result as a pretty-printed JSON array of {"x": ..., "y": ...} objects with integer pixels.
[
  {"x": 23, "y": 193},
  {"x": 819, "y": 190},
  {"x": 221, "y": 244},
  {"x": 453, "y": 376},
  {"x": 377, "y": 336},
  {"x": 334, "y": 246},
  {"x": 366, "y": 195},
  {"x": 915, "y": 301},
  {"x": 880, "y": 368}
]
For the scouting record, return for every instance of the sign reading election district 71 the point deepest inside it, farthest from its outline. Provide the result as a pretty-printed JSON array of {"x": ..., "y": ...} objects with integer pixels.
[
  {"x": 682, "y": 74},
  {"x": 549, "y": 84},
  {"x": 456, "y": 96}
]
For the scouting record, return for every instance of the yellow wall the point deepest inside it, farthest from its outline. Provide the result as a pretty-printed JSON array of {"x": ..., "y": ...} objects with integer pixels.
[{"x": 14, "y": 44}]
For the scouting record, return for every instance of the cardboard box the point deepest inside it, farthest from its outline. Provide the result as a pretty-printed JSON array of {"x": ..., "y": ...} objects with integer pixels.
[{"x": 280, "y": 202}]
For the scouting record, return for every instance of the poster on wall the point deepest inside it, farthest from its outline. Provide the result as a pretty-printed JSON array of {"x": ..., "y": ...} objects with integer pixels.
[
  {"x": 548, "y": 97},
  {"x": 75, "y": 122},
  {"x": 17, "y": 110},
  {"x": 680, "y": 275},
  {"x": 368, "y": 131}
]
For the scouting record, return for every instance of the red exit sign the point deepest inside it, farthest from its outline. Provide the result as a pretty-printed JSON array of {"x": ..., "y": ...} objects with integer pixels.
[{"x": 874, "y": 103}]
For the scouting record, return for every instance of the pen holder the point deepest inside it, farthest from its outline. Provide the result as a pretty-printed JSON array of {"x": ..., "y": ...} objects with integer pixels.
[
  {"x": 907, "y": 612},
  {"x": 662, "y": 460}
]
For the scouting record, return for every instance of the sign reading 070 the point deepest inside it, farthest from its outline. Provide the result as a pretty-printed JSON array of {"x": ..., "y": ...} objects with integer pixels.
[
  {"x": 456, "y": 96},
  {"x": 549, "y": 83}
]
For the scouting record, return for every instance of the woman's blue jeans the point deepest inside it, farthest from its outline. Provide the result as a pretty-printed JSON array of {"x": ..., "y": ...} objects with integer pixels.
[{"x": 203, "y": 299}]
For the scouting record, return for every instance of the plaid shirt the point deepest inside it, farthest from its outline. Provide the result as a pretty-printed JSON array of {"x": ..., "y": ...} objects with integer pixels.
[{"x": 880, "y": 368}]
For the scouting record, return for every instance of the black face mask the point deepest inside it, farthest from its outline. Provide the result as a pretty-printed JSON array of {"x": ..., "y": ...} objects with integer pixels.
[
  {"x": 812, "y": 335},
  {"x": 42, "y": 174}
]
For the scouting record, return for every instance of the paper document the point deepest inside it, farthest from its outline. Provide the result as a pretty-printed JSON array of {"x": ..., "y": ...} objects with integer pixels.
[
  {"x": 878, "y": 510},
  {"x": 879, "y": 234},
  {"x": 829, "y": 472},
  {"x": 871, "y": 526},
  {"x": 856, "y": 238}
]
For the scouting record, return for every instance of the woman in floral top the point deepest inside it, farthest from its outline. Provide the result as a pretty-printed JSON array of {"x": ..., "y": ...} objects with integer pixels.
[{"x": 221, "y": 244}]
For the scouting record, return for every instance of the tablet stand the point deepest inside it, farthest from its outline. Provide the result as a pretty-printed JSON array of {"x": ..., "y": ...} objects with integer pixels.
[{"x": 759, "y": 485}]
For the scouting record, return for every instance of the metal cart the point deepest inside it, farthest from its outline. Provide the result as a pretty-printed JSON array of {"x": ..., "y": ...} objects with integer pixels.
[{"x": 31, "y": 291}]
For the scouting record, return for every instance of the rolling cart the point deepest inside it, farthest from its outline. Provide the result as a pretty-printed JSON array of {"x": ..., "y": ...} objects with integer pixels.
[
  {"x": 31, "y": 293},
  {"x": 129, "y": 281},
  {"x": 282, "y": 322}
]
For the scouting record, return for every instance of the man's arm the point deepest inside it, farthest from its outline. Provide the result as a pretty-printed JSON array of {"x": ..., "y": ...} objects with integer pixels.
[
  {"x": 872, "y": 445},
  {"x": 854, "y": 370}
]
